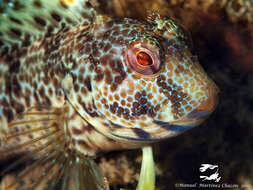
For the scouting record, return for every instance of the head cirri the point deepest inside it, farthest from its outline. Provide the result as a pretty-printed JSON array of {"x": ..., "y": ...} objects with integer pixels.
[{"x": 138, "y": 81}]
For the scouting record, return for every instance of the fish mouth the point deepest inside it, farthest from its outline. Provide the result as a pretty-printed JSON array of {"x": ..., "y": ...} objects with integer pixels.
[
  {"x": 194, "y": 118},
  {"x": 198, "y": 115}
]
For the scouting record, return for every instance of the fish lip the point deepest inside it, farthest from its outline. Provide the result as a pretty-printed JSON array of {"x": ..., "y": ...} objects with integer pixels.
[
  {"x": 199, "y": 114},
  {"x": 194, "y": 118},
  {"x": 172, "y": 127},
  {"x": 205, "y": 108}
]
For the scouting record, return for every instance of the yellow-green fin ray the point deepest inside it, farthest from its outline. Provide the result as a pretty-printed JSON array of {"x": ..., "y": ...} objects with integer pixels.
[{"x": 147, "y": 175}]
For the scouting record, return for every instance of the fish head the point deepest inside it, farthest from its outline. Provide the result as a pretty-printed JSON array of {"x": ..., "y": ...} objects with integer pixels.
[{"x": 146, "y": 84}]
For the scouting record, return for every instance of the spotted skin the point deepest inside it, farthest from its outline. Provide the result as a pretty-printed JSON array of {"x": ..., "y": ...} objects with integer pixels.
[
  {"x": 72, "y": 84},
  {"x": 127, "y": 102}
]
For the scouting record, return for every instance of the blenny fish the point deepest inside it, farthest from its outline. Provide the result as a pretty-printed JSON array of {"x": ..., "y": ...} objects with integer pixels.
[{"x": 75, "y": 84}]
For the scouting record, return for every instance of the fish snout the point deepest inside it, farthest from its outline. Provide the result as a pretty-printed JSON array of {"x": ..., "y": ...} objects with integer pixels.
[
  {"x": 206, "y": 107},
  {"x": 200, "y": 113}
]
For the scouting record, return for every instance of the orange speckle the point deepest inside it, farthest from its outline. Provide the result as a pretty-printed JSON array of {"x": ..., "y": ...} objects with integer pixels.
[
  {"x": 99, "y": 106},
  {"x": 147, "y": 78},
  {"x": 130, "y": 91},
  {"x": 123, "y": 122},
  {"x": 116, "y": 96},
  {"x": 184, "y": 102},
  {"x": 194, "y": 103},
  {"x": 132, "y": 121},
  {"x": 107, "y": 114},
  {"x": 173, "y": 60},
  {"x": 169, "y": 66},
  {"x": 130, "y": 84},
  {"x": 123, "y": 102},
  {"x": 155, "y": 101},
  {"x": 97, "y": 97},
  {"x": 192, "y": 82},
  {"x": 139, "y": 86},
  {"x": 136, "y": 77},
  {"x": 180, "y": 88},
  {"x": 104, "y": 101},
  {"x": 203, "y": 88},
  {"x": 110, "y": 98},
  {"x": 160, "y": 97},
  {"x": 170, "y": 74},
  {"x": 149, "y": 86},
  {"x": 129, "y": 99},
  {"x": 186, "y": 85},
  {"x": 190, "y": 74},
  {"x": 192, "y": 89},
  {"x": 197, "y": 73},
  {"x": 188, "y": 108},
  {"x": 180, "y": 81},
  {"x": 201, "y": 82},
  {"x": 170, "y": 81},
  {"x": 142, "y": 124},
  {"x": 150, "y": 96},
  {"x": 123, "y": 93},
  {"x": 154, "y": 89},
  {"x": 199, "y": 94},
  {"x": 143, "y": 83},
  {"x": 129, "y": 124}
]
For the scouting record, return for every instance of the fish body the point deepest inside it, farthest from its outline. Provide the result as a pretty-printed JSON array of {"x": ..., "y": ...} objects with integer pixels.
[{"x": 75, "y": 84}]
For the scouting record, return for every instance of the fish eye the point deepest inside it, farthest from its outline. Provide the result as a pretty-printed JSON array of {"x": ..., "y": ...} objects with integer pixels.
[{"x": 144, "y": 59}]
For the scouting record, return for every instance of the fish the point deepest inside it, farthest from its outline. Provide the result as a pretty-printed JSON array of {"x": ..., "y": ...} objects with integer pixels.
[{"x": 75, "y": 84}]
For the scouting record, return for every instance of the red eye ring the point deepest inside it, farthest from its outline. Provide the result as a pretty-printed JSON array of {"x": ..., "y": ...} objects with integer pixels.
[{"x": 144, "y": 59}]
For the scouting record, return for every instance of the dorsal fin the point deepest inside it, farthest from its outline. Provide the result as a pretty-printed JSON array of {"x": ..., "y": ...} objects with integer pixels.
[{"x": 22, "y": 21}]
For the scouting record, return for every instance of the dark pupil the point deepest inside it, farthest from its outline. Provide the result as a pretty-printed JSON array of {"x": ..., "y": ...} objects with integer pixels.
[{"x": 143, "y": 58}]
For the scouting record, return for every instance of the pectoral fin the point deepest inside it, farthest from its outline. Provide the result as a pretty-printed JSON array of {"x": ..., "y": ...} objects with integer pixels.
[{"x": 44, "y": 159}]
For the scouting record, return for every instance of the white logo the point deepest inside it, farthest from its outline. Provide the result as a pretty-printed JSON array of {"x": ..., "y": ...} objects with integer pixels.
[{"x": 215, "y": 176}]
